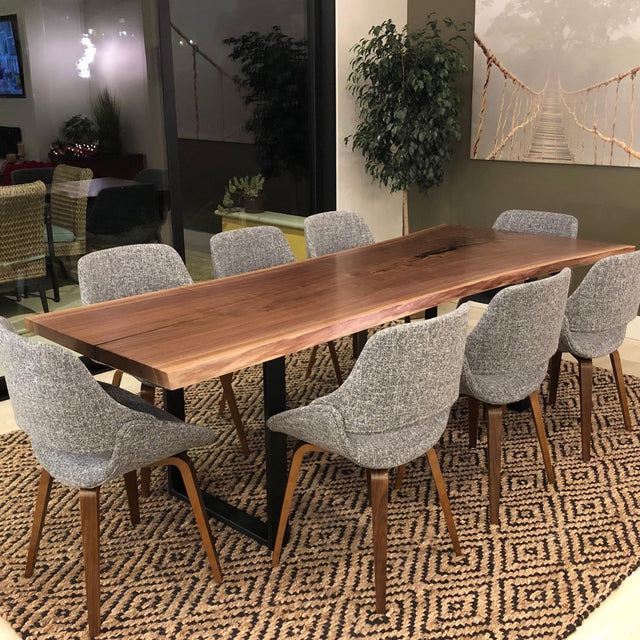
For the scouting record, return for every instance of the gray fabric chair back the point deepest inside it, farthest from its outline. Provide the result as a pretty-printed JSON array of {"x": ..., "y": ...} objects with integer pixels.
[
  {"x": 333, "y": 231},
  {"x": 157, "y": 177},
  {"x": 55, "y": 399},
  {"x": 524, "y": 221},
  {"x": 508, "y": 351},
  {"x": 23, "y": 176},
  {"x": 126, "y": 271},
  {"x": 606, "y": 300},
  {"x": 249, "y": 249}
]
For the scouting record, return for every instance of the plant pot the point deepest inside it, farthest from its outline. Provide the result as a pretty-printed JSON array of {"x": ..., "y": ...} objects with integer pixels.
[{"x": 253, "y": 204}]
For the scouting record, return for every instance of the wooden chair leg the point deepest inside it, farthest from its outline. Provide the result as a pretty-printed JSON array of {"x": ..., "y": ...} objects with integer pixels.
[
  {"x": 294, "y": 472},
  {"x": 184, "y": 465},
  {"x": 117, "y": 378},
  {"x": 42, "y": 500},
  {"x": 312, "y": 361},
  {"x": 223, "y": 400},
  {"x": 90, "y": 521},
  {"x": 145, "y": 482},
  {"x": 616, "y": 365},
  {"x": 554, "y": 376},
  {"x": 400, "y": 477},
  {"x": 474, "y": 411},
  {"x": 444, "y": 499},
  {"x": 494, "y": 451},
  {"x": 534, "y": 398},
  {"x": 586, "y": 405},
  {"x": 379, "y": 502},
  {"x": 148, "y": 393},
  {"x": 235, "y": 414},
  {"x": 131, "y": 485},
  {"x": 334, "y": 359}
]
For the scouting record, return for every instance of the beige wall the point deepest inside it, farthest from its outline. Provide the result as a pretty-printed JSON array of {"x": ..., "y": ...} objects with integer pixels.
[
  {"x": 355, "y": 190},
  {"x": 604, "y": 199}
]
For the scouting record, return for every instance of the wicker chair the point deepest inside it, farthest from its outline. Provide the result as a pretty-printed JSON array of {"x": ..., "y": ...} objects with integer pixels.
[
  {"x": 22, "y": 250},
  {"x": 69, "y": 192}
]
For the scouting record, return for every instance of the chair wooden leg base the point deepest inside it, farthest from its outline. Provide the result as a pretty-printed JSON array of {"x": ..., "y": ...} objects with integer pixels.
[
  {"x": 400, "y": 477},
  {"x": 312, "y": 361},
  {"x": 131, "y": 485},
  {"x": 184, "y": 465},
  {"x": 42, "y": 500},
  {"x": 616, "y": 365},
  {"x": 444, "y": 499},
  {"x": 294, "y": 472},
  {"x": 379, "y": 505},
  {"x": 554, "y": 376},
  {"x": 494, "y": 451},
  {"x": 334, "y": 359},
  {"x": 145, "y": 482},
  {"x": 235, "y": 413},
  {"x": 474, "y": 415},
  {"x": 117, "y": 378},
  {"x": 90, "y": 520},
  {"x": 534, "y": 398},
  {"x": 586, "y": 405}
]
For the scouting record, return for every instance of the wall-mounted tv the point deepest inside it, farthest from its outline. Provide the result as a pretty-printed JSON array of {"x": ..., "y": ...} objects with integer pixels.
[{"x": 11, "y": 70}]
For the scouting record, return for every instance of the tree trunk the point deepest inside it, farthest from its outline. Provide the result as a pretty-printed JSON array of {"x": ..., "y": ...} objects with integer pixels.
[{"x": 405, "y": 212}]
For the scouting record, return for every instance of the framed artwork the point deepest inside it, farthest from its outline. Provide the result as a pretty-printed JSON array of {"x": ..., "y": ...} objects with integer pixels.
[
  {"x": 11, "y": 69},
  {"x": 555, "y": 82}
]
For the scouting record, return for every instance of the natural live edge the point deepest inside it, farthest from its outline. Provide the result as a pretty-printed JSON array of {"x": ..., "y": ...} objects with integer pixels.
[{"x": 180, "y": 336}]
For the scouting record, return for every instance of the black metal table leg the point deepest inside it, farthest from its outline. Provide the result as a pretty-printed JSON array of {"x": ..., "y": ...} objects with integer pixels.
[
  {"x": 431, "y": 312},
  {"x": 275, "y": 459},
  {"x": 52, "y": 254}
]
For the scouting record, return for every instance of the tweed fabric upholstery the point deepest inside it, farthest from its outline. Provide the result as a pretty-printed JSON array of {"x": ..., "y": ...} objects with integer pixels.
[
  {"x": 599, "y": 310},
  {"x": 508, "y": 351},
  {"x": 126, "y": 271},
  {"x": 395, "y": 403},
  {"x": 22, "y": 251},
  {"x": 249, "y": 249},
  {"x": 83, "y": 433},
  {"x": 547, "y": 222},
  {"x": 24, "y": 176},
  {"x": 69, "y": 191},
  {"x": 333, "y": 231}
]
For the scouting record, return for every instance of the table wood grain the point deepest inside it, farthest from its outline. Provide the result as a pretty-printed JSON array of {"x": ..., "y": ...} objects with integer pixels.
[{"x": 185, "y": 335}]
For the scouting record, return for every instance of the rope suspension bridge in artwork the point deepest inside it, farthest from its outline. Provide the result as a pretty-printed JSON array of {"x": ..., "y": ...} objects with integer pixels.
[{"x": 592, "y": 125}]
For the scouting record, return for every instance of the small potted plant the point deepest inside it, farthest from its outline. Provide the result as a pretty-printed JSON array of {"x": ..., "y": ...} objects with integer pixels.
[{"x": 244, "y": 193}]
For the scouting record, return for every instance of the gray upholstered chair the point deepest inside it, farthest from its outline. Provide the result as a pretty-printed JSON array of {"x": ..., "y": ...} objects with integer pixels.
[
  {"x": 525, "y": 221},
  {"x": 84, "y": 434},
  {"x": 249, "y": 249},
  {"x": 391, "y": 409},
  {"x": 330, "y": 232},
  {"x": 130, "y": 270},
  {"x": 506, "y": 359},
  {"x": 594, "y": 325},
  {"x": 23, "y": 176}
]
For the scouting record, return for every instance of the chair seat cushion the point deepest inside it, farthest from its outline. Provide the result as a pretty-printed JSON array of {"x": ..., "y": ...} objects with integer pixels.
[
  {"x": 60, "y": 234},
  {"x": 145, "y": 437}
]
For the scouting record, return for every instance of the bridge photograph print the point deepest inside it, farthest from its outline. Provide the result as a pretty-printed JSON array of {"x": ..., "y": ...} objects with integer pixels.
[{"x": 556, "y": 82}]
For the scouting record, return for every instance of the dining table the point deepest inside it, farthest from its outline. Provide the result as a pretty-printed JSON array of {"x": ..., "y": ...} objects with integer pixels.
[{"x": 185, "y": 335}]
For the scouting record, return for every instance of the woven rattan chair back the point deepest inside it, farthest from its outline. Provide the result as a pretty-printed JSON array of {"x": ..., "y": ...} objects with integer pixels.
[{"x": 69, "y": 192}]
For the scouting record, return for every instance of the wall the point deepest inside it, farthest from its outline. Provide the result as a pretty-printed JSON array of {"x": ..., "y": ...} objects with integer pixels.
[
  {"x": 474, "y": 192},
  {"x": 355, "y": 190}
]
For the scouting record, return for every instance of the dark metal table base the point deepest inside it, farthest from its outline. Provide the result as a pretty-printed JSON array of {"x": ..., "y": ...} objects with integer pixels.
[{"x": 274, "y": 383}]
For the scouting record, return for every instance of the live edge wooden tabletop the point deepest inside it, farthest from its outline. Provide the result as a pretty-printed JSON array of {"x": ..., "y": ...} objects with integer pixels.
[{"x": 188, "y": 334}]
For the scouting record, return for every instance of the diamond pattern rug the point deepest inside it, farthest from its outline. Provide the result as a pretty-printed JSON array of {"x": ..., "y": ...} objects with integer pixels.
[{"x": 558, "y": 553}]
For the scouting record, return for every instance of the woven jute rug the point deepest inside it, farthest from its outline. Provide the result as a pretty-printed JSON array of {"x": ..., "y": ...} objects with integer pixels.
[{"x": 558, "y": 553}]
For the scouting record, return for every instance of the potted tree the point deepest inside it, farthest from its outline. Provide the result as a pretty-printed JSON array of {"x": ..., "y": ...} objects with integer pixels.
[{"x": 404, "y": 85}]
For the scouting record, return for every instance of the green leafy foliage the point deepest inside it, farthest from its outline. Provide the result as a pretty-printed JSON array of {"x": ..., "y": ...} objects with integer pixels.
[
  {"x": 405, "y": 90},
  {"x": 273, "y": 79},
  {"x": 106, "y": 113},
  {"x": 239, "y": 189},
  {"x": 78, "y": 130}
]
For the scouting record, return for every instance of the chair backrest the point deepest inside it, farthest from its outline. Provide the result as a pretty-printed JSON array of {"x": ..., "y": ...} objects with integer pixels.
[
  {"x": 608, "y": 296},
  {"x": 118, "y": 210},
  {"x": 22, "y": 249},
  {"x": 22, "y": 176},
  {"x": 130, "y": 270},
  {"x": 55, "y": 399},
  {"x": 333, "y": 231},
  {"x": 524, "y": 221},
  {"x": 157, "y": 177},
  {"x": 407, "y": 376},
  {"x": 519, "y": 330},
  {"x": 248, "y": 249},
  {"x": 69, "y": 192}
]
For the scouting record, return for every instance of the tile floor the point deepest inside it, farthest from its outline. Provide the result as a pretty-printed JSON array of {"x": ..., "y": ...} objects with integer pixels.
[{"x": 615, "y": 619}]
